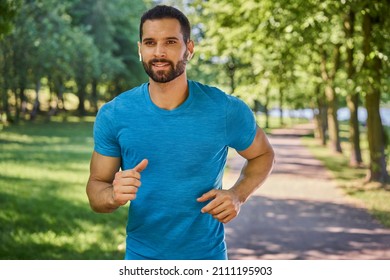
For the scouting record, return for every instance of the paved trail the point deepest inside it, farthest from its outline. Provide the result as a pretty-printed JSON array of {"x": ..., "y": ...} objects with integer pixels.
[{"x": 299, "y": 213}]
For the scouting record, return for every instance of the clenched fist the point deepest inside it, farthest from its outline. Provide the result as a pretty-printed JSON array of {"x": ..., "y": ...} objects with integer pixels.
[{"x": 127, "y": 182}]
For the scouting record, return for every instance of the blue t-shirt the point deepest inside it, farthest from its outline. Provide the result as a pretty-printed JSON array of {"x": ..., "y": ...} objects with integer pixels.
[{"x": 186, "y": 148}]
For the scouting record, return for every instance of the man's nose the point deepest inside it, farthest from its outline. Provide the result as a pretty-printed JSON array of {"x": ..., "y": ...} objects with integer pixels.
[{"x": 160, "y": 50}]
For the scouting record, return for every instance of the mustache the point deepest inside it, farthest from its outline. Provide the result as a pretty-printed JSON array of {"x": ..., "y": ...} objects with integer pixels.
[{"x": 156, "y": 60}]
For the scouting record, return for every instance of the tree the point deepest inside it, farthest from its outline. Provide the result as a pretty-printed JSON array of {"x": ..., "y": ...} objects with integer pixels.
[
  {"x": 92, "y": 44},
  {"x": 8, "y": 12},
  {"x": 353, "y": 96},
  {"x": 375, "y": 20},
  {"x": 15, "y": 48},
  {"x": 113, "y": 27}
]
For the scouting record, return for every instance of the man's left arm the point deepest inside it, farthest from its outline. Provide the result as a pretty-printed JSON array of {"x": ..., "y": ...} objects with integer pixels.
[{"x": 225, "y": 204}]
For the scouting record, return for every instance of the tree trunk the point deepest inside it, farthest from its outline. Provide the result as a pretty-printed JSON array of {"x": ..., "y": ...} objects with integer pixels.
[
  {"x": 266, "y": 105},
  {"x": 355, "y": 159},
  {"x": 376, "y": 140},
  {"x": 4, "y": 94},
  {"x": 375, "y": 133},
  {"x": 23, "y": 101},
  {"x": 37, "y": 104},
  {"x": 17, "y": 107},
  {"x": 353, "y": 97},
  {"x": 53, "y": 102},
  {"x": 60, "y": 97},
  {"x": 81, "y": 94},
  {"x": 281, "y": 98},
  {"x": 231, "y": 71},
  {"x": 328, "y": 78},
  {"x": 333, "y": 124},
  {"x": 320, "y": 117},
  {"x": 94, "y": 95}
]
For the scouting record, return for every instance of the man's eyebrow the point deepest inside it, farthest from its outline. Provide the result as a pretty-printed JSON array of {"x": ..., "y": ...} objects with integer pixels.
[
  {"x": 147, "y": 39},
  {"x": 172, "y": 38},
  {"x": 167, "y": 38}
]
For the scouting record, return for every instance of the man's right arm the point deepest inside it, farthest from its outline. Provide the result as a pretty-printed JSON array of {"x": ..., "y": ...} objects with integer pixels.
[
  {"x": 100, "y": 183},
  {"x": 108, "y": 188}
]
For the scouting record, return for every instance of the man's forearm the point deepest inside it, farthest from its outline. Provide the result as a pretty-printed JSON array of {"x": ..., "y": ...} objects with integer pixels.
[
  {"x": 100, "y": 196},
  {"x": 253, "y": 175}
]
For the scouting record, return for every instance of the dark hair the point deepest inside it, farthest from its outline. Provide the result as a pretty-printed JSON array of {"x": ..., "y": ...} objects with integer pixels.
[{"x": 163, "y": 11}]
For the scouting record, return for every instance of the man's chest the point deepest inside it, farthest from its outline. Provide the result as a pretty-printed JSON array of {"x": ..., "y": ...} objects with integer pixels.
[{"x": 179, "y": 138}]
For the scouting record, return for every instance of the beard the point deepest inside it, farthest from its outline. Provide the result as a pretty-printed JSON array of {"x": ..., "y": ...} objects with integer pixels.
[{"x": 165, "y": 76}]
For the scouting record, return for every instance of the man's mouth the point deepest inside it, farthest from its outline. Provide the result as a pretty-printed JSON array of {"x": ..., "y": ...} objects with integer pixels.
[{"x": 161, "y": 64}]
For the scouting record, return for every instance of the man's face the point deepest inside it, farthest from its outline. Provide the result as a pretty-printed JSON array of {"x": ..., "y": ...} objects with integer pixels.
[{"x": 163, "y": 50}]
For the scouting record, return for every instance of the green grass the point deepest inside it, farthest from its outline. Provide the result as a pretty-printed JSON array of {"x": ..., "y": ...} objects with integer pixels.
[
  {"x": 44, "y": 210},
  {"x": 375, "y": 197}
]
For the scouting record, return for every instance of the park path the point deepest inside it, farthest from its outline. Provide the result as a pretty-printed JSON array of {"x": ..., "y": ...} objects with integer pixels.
[{"x": 299, "y": 213}]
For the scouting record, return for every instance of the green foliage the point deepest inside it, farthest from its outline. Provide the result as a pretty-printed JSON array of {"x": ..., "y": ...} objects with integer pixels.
[
  {"x": 269, "y": 53},
  {"x": 113, "y": 27},
  {"x": 44, "y": 210},
  {"x": 297, "y": 54},
  {"x": 92, "y": 44},
  {"x": 8, "y": 11}
]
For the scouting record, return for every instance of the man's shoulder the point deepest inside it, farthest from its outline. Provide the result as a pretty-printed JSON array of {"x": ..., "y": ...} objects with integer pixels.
[
  {"x": 205, "y": 88},
  {"x": 125, "y": 98},
  {"x": 211, "y": 92},
  {"x": 131, "y": 93},
  {"x": 214, "y": 93}
]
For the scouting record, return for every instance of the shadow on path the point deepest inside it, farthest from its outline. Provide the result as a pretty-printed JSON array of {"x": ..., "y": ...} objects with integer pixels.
[{"x": 270, "y": 228}]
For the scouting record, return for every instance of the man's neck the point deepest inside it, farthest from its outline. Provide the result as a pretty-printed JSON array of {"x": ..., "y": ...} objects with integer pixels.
[{"x": 169, "y": 95}]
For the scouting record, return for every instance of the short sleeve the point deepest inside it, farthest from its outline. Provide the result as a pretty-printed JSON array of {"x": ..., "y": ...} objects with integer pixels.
[
  {"x": 240, "y": 124},
  {"x": 105, "y": 137}
]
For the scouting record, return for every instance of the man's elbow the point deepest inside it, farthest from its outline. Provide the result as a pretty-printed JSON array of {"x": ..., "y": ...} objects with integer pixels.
[
  {"x": 272, "y": 158},
  {"x": 272, "y": 155},
  {"x": 95, "y": 202},
  {"x": 101, "y": 210}
]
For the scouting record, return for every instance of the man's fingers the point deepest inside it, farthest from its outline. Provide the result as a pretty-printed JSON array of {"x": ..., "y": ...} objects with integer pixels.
[
  {"x": 222, "y": 216},
  {"x": 141, "y": 166},
  {"x": 124, "y": 198},
  {"x": 129, "y": 173},
  {"x": 126, "y": 183},
  {"x": 132, "y": 182},
  {"x": 217, "y": 208},
  {"x": 207, "y": 196},
  {"x": 122, "y": 194},
  {"x": 211, "y": 206},
  {"x": 133, "y": 173},
  {"x": 223, "y": 205}
]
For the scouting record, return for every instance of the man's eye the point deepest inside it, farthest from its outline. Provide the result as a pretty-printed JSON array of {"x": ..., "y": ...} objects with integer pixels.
[
  {"x": 170, "y": 42},
  {"x": 149, "y": 43}
]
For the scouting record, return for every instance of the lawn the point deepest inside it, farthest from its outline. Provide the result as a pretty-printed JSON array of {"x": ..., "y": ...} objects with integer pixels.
[{"x": 44, "y": 211}]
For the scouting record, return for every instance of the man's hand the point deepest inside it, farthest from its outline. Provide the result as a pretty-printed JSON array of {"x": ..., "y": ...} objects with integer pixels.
[
  {"x": 126, "y": 183},
  {"x": 224, "y": 205}
]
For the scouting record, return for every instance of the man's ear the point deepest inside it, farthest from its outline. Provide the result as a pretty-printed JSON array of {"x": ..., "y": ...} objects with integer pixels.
[
  {"x": 139, "y": 51},
  {"x": 191, "y": 49}
]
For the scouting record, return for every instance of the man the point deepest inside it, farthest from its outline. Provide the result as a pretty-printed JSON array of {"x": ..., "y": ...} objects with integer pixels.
[{"x": 162, "y": 147}]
